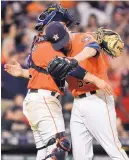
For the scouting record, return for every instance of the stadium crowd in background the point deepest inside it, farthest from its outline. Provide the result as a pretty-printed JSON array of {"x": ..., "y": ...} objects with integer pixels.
[{"x": 18, "y": 22}]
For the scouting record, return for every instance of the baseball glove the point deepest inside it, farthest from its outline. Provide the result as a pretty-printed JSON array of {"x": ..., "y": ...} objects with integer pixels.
[
  {"x": 60, "y": 67},
  {"x": 109, "y": 41}
]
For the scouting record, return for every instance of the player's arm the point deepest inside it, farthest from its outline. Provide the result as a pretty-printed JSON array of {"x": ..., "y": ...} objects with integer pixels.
[
  {"x": 91, "y": 50},
  {"x": 16, "y": 70},
  {"x": 100, "y": 83},
  {"x": 82, "y": 74}
]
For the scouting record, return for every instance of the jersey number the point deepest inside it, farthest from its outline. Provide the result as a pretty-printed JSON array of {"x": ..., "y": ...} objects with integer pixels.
[{"x": 81, "y": 83}]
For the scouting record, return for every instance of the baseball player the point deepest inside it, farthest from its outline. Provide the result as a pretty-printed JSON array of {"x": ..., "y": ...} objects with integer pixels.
[
  {"x": 93, "y": 113},
  {"x": 41, "y": 105}
]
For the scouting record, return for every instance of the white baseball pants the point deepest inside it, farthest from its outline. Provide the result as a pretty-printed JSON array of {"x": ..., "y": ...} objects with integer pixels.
[
  {"x": 95, "y": 116},
  {"x": 44, "y": 113}
]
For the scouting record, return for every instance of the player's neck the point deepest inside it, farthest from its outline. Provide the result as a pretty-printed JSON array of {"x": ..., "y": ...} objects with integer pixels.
[{"x": 72, "y": 35}]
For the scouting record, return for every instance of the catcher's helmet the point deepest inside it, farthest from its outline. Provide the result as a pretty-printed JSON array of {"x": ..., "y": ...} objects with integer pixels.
[{"x": 54, "y": 13}]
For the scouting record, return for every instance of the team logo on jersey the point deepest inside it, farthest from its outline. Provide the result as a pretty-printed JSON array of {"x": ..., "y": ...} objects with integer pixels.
[
  {"x": 55, "y": 37},
  {"x": 86, "y": 39}
]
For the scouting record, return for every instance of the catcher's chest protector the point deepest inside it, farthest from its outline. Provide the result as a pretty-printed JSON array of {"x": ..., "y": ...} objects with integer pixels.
[
  {"x": 36, "y": 40},
  {"x": 30, "y": 63}
]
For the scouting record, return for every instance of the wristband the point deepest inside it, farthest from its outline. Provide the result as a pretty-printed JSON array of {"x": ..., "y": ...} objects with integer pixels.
[{"x": 78, "y": 73}]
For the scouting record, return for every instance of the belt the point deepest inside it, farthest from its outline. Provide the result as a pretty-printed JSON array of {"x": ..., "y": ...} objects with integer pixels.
[
  {"x": 52, "y": 93},
  {"x": 86, "y": 94}
]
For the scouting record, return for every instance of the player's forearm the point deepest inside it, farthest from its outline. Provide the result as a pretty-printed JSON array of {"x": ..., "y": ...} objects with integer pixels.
[
  {"x": 25, "y": 73},
  {"x": 90, "y": 78},
  {"x": 85, "y": 54}
]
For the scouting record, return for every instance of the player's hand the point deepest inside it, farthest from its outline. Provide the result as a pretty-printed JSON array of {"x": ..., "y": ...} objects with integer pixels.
[
  {"x": 60, "y": 67},
  {"x": 104, "y": 86},
  {"x": 14, "y": 69}
]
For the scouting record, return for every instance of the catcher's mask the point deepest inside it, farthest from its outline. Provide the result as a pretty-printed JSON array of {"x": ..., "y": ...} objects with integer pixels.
[{"x": 54, "y": 13}]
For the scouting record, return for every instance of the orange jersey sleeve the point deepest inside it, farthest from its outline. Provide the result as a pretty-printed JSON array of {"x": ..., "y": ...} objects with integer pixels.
[
  {"x": 88, "y": 38},
  {"x": 79, "y": 42}
]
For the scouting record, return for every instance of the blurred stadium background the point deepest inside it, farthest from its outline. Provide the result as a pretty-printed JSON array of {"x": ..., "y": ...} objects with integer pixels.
[{"x": 18, "y": 21}]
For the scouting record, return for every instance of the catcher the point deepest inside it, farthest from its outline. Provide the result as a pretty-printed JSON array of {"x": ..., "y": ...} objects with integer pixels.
[
  {"x": 93, "y": 113},
  {"x": 41, "y": 105}
]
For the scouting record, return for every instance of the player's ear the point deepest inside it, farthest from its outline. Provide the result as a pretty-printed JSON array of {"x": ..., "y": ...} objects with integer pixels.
[
  {"x": 65, "y": 26},
  {"x": 63, "y": 23},
  {"x": 44, "y": 30}
]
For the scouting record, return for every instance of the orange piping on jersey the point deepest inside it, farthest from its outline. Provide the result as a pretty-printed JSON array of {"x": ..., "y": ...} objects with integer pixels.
[
  {"x": 111, "y": 127},
  {"x": 51, "y": 115}
]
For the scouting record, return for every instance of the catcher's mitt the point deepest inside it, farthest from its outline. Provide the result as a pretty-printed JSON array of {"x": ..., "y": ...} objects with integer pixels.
[
  {"x": 60, "y": 67},
  {"x": 109, "y": 41}
]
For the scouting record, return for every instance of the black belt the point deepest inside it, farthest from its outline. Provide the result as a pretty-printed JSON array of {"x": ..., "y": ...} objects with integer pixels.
[
  {"x": 36, "y": 91},
  {"x": 84, "y": 94},
  {"x": 53, "y": 140}
]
